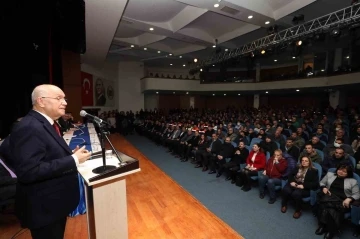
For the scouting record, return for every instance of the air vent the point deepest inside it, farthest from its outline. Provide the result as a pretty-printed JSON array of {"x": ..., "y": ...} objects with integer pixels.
[
  {"x": 126, "y": 22},
  {"x": 230, "y": 10}
]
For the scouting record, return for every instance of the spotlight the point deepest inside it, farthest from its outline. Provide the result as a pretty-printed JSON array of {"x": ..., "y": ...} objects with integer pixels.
[
  {"x": 272, "y": 30},
  {"x": 195, "y": 60},
  {"x": 335, "y": 32},
  {"x": 298, "y": 19},
  {"x": 263, "y": 52},
  {"x": 299, "y": 43}
]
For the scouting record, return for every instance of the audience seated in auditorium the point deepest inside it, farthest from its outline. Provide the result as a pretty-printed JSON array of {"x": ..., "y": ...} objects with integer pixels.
[{"x": 311, "y": 153}]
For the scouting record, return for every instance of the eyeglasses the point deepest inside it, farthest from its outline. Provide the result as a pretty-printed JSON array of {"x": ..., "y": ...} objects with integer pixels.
[{"x": 56, "y": 98}]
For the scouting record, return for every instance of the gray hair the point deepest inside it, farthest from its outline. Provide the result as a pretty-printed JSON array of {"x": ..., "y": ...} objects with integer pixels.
[{"x": 37, "y": 92}]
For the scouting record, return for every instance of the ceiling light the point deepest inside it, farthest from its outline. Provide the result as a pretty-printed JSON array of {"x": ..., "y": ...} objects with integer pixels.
[
  {"x": 298, "y": 43},
  {"x": 322, "y": 70},
  {"x": 293, "y": 57},
  {"x": 263, "y": 52},
  {"x": 347, "y": 57},
  {"x": 213, "y": 94},
  {"x": 297, "y": 90},
  {"x": 213, "y": 65},
  {"x": 159, "y": 51},
  {"x": 132, "y": 46},
  {"x": 170, "y": 64},
  {"x": 238, "y": 94},
  {"x": 200, "y": 69},
  {"x": 180, "y": 56},
  {"x": 195, "y": 60},
  {"x": 174, "y": 92},
  {"x": 214, "y": 46},
  {"x": 151, "y": 29},
  {"x": 170, "y": 54},
  {"x": 216, "y": 5},
  {"x": 250, "y": 17},
  {"x": 157, "y": 92},
  {"x": 184, "y": 65},
  {"x": 145, "y": 48},
  {"x": 267, "y": 22},
  {"x": 224, "y": 94},
  {"x": 187, "y": 93},
  {"x": 275, "y": 60},
  {"x": 226, "y": 49},
  {"x": 266, "y": 92}
]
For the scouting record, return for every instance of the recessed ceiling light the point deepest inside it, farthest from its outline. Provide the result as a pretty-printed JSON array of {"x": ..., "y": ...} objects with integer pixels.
[
  {"x": 266, "y": 92},
  {"x": 267, "y": 22},
  {"x": 226, "y": 49},
  {"x": 213, "y": 65},
  {"x": 224, "y": 94},
  {"x": 200, "y": 69},
  {"x": 214, "y": 46},
  {"x": 132, "y": 46},
  {"x": 157, "y": 92},
  {"x": 213, "y": 94},
  {"x": 170, "y": 54},
  {"x": 173, "y": 92},
  {"x": 159, "y": 51},
  {"x": 275, "y": 60},
  {"x": 294, "y": 57},
  {"x": 184, "y": 65},
  {"x": 322, "y": 70},
  {"x": 239, "y": 94},
  {"x": 145, "y": 48},
  {"x": 195, "y": 60},
  {"x": 187, "y": 93},
  {"x": 151, "y": 29},
  {"x": 170, "y": 64},
  {"x": 180, "y": 56},
  {"x": 250, "y": 17},
  {"x": 216, "y": 5},
  {"x": 297, "y": 90},
  {"x": 263, "y": 52},
  {"x": 347, "y": 57}
]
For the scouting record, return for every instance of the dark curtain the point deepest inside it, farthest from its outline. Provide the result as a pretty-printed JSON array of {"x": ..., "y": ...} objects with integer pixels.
[{"x": 27, "y": 48}]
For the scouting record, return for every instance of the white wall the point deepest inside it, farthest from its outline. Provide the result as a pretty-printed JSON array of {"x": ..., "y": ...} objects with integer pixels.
[
  {"x": 109, "y": 71},
  {"x": 129, "y": 86}
]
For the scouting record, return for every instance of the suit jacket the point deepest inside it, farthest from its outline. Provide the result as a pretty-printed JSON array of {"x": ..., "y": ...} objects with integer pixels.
[
  {"x": 216, "y": 146},
  {"x": 47, "y": 186},
  {"x": 351, "y": 188}
]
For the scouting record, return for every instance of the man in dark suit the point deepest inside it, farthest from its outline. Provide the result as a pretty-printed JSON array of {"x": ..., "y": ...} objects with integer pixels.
[{"x": 46, "y": 169}]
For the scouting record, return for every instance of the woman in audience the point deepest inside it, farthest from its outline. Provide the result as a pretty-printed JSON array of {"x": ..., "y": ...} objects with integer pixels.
[
  {"x": 303, "y": 179},
  {"x": 338, "y": 190},
  {"x": 272, "y": 175},
  {"x": 255, "y": 162}
]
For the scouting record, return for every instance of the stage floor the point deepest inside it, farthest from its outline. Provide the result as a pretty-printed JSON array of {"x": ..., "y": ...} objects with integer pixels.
[{"x": 158, "y": 208}]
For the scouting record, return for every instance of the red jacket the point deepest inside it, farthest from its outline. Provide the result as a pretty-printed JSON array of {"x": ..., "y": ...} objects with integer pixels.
[
  {"x": 260, "y": 160},
  {"x": 275, "y": 170}
]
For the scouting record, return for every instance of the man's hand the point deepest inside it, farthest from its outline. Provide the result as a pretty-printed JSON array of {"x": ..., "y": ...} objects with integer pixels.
[{"x": 82, "y": 154}]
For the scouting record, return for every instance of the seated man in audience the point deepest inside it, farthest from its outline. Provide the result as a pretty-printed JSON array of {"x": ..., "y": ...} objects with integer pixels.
[
  {"x": 268, "y": 145},
  {"x": 339, "y": 134},
  {"x": 291, "y": 149},
  {"x": 226, "y": 151},
  {"x": 272, "y": 175},
  {"x": 311, "y": 153},
  {"x": 315, "y": 142},
  {"x": 339, "y": 157},
  {"x": 231, "y": 134},
  {"x": 330, "y": 148},
  {"x": 321, "y": 135},
  {"x": 214, "y": 149},
  {"x": 297, "y": 140},
  {"x": 279, "y": 138}
]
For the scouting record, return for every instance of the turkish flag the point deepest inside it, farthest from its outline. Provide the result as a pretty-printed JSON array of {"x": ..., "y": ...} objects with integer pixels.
[{"x": 87, "y": 96}]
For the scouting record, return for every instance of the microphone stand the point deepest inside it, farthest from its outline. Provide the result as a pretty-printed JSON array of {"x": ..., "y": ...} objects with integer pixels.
[{"x": 104, "y": 168}]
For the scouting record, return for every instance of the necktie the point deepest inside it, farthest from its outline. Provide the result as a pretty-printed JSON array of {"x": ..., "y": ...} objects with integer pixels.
[
  {"x": 56, "y": 127},
  {"x": 13, "y": 175}
]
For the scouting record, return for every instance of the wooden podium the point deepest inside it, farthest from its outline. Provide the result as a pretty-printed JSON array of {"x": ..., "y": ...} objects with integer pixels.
[{"x": 106, "y": 196}]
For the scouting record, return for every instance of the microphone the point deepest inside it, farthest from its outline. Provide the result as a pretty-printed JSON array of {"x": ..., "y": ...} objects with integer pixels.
[{"x": 92, "y": 117}]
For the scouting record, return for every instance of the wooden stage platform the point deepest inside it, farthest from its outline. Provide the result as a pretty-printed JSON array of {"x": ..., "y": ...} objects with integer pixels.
[{"x": 158, "y": 208}]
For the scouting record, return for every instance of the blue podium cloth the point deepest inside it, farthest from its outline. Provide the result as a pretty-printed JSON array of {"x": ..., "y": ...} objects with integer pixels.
[{"x": 82, "y": 137}]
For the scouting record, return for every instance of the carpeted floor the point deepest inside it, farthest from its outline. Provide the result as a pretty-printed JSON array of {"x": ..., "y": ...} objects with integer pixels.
[{"x": 245, "y": 212}]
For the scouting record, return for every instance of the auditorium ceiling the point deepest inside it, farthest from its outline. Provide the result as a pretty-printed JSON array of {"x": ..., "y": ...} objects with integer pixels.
[{"x": 164, "y": 32}]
